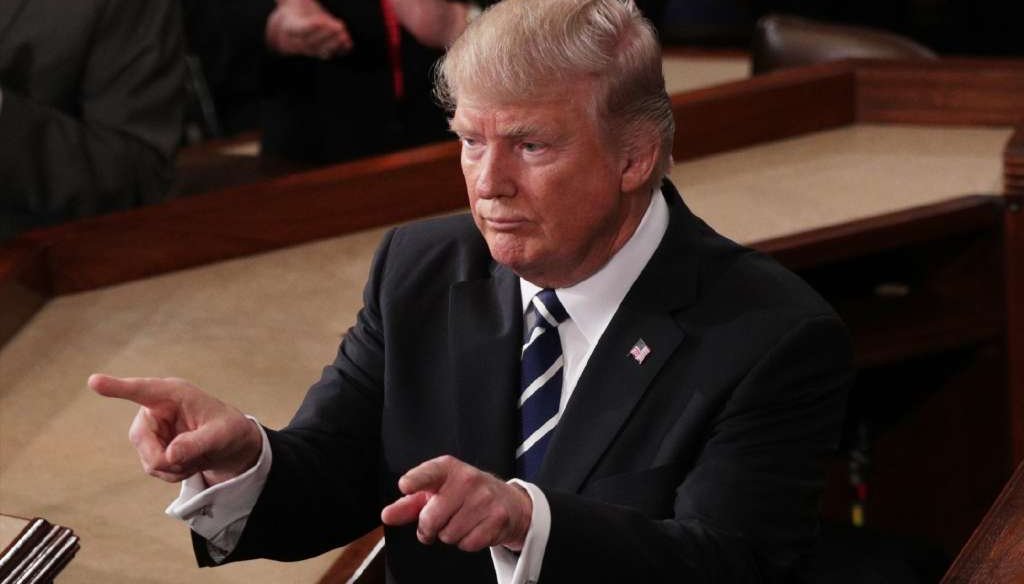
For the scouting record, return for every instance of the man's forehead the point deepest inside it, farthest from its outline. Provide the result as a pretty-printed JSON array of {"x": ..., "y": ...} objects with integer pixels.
[
  {"x": 518, "y": 117},
  {"x": 507, "y": 118}
]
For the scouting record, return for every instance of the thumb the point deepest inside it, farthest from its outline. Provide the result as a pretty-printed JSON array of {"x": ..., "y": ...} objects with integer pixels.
[{"x": 191, "y": 449}]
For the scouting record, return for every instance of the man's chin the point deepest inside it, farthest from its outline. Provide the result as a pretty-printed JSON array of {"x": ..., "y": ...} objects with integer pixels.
[
  {"x": 511, "y": 262},
  {"x": 509, "y": 254},
  {"x": 528, "y": 262}
]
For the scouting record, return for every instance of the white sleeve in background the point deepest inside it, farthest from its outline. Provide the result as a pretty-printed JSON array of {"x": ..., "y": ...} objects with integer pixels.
[
  {"x": 219, "y": 513},
  {"x": 524, "y": 568}
]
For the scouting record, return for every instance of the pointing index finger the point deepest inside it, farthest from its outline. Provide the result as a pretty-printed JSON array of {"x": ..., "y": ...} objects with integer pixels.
[
  {"x": 141, "y": 390},
  {"x": 428, "y": 476}
]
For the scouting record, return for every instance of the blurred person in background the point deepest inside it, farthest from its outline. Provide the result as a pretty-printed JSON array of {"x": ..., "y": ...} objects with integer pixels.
[
  {"x": 334, "y": 80},
  {"x": 91, "y": 104}
]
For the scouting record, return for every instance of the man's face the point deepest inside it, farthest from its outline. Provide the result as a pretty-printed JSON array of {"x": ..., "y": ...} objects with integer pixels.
[{"x": 545, "y": 186}]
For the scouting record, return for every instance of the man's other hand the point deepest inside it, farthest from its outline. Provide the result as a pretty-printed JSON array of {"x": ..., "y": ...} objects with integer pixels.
[
  {"x": 180, "y": 430},
  {"x": 303, "y": 27},
  {"x": 462, "y": 506}
]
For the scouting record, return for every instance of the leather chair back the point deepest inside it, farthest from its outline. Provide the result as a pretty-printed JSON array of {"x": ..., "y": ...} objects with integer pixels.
[{"x": 782, "y": 41}]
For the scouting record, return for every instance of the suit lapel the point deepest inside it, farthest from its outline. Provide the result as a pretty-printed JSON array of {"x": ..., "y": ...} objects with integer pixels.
[
  {"x": 613, "y": 381},
  {"x": 485, "y": 322}
]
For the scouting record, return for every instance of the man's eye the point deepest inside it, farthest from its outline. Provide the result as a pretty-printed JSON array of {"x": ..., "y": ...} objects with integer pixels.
[
  {"x": 532, "y": 147},
  {"x": 469, "y": 141}
]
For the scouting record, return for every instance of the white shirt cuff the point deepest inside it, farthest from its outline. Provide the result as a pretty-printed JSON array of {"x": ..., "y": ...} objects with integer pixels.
[
  {"x": 219, "y": 513},
  {"x": 524, "y": 568}
]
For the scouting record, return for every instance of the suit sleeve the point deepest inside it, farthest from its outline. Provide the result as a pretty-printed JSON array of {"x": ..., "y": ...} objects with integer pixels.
[
  {"x": 748, "y": 508},
  {"x": 322, "y": 489},
  {"x": 109, "y": 147}
]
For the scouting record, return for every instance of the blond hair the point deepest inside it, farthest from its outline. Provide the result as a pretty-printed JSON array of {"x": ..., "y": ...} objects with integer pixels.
[{"x": 519, "y": 50}]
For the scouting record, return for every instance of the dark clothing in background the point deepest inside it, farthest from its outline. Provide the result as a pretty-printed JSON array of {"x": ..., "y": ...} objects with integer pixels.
[
  {"x": 312, "y": 110},
  {"x": 91, "y": 113},
  {"x": 328, "y": 111},
  {"x": 227, "y": 38}
]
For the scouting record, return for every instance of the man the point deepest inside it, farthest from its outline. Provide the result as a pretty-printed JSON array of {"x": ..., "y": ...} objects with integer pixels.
[
  {"x": 664, "y": 394},
  {"x": 90, "y": 116}
]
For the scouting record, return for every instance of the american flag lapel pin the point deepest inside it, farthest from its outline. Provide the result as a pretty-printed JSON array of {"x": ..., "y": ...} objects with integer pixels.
[{"x": 640, "y": 351}]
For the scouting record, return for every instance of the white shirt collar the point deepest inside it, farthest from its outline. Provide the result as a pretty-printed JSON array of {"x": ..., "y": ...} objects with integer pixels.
[{"x": 592, "y": 302}]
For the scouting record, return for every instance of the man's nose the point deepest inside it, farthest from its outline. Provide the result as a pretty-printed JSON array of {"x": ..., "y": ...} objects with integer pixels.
[{"x": 494, "y": 176}]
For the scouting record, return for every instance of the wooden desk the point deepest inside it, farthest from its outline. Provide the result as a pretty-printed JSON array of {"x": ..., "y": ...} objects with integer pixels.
[
  {"x": 995, "y": 553},
  {"x": 175, "y": 290}
]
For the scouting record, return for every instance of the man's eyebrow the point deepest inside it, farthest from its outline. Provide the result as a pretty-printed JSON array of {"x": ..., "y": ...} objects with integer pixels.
[
  {"x": 516, "y": 131},
  {"x": 519, "y": 131}
]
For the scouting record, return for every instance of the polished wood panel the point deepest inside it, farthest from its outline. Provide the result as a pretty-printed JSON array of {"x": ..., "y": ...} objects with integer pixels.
[
  {"x": 954, "y": 238},
  {"x": 762, "y": 109},
  {"x": 947, "y": 92},
  {"x": 227, "y": 162},
  {"x": 260, "y": 217},
  {"x": 995, "y": 553},
  {"x": 24, "y": 283},
  {"x": 856, "y": 238},
  {"x": 939, "y": 444},
  {"x": 1013, "y": 164},
  {"x": 925, "y": 309},
  {"x": 1013, "y": 233}
]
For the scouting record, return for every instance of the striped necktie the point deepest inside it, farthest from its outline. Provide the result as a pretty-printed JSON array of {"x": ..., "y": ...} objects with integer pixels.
[{"x": 541, "y": 381}]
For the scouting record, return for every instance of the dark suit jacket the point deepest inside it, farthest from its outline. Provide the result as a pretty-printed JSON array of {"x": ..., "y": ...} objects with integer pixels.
[
  {"x": 93, "y": 98},
  {"x": 700, "y": 464}
]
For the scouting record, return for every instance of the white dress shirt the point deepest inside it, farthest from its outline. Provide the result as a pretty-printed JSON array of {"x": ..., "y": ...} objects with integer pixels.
[{"x": 219, "y": 513}]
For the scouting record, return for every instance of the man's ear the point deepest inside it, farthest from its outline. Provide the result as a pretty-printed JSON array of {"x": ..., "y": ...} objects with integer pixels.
[{"x": 640, "y": 160}]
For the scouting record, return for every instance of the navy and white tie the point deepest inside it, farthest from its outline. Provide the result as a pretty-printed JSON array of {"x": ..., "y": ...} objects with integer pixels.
[{"x": 541, "y": 381}]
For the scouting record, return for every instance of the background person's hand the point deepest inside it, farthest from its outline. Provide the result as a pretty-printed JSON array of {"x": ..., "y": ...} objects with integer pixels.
[
  {"x": 303, "y": 27},
  {"x": 180, "y": 430},
  {"x": 461, "y": 506},
  {"x": 434, "y": 23}
]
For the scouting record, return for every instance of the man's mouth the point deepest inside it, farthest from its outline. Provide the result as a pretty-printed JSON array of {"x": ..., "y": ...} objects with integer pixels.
[{"x": 504, "y": 223}]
